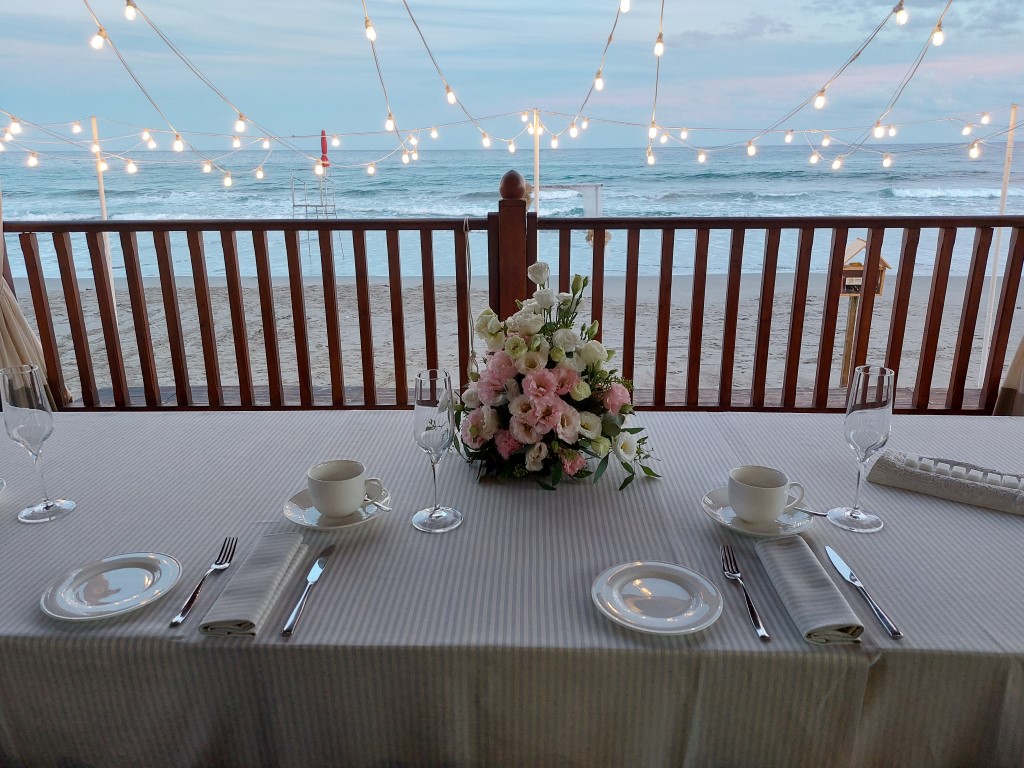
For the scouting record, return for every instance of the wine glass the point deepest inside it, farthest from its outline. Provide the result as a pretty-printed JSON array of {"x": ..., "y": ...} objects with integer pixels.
[
  {"x": 29, "y": 422},
  {"x": 433, "y": 424},
  {"x": 868, "y": 423}
]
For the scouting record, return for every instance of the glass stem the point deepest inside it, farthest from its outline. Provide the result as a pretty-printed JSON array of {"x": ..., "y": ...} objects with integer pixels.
[
  {"x": 855, "y": 511},
  {"x": 433, "y": 471},
  {"x": 42, "y": 481}
]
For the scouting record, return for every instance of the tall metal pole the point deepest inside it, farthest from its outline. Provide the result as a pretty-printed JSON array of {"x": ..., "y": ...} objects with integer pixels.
[
  {"x": 536, "y": 161},
  {"x": 993, "y": 281}
]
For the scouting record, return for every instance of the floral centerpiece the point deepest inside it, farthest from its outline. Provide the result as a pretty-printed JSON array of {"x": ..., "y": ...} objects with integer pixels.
[{"x": 546, "y": 404}]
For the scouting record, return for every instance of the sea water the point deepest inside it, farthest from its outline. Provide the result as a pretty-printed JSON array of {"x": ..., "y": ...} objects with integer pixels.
[{"x": 925, "y": 180}]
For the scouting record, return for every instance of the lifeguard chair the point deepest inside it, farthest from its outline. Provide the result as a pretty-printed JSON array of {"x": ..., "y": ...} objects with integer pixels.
[{"x": 853, "y": 287}]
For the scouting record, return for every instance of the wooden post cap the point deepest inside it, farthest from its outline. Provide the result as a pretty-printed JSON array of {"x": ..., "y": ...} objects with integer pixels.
[{"x": 513, "y": 186}]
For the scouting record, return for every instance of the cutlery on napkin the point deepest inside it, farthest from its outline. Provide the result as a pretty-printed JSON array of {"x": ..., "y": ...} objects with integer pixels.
[
  {"x": 247, "y": 600},
  {"x": 814, "y": 603},
  {"x": 949, "y": 479}
]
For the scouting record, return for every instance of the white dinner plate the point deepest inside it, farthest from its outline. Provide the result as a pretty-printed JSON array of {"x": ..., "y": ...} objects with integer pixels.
[
  {"x": 300, "y": 510},
  {"x": 658, "y": 598},
  {"x": 716, "y": 506},
  {"x": 111, "y": 586}
]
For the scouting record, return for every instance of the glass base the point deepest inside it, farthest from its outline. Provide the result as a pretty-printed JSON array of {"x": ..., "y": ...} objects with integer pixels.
[
  {"x": 861, "y": 522},
  {"x": 440, "y": 520},
  {"x": 44, "y": 512}
]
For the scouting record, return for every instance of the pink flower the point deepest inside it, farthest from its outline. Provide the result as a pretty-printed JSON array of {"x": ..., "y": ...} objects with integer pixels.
[
  {"x": 501, "y": 367},
  {"x": 573, "y": 462},
  {"x": 546, "y": 413},
  {"x": 565, "y": 379},
  {"x": 540, "y": 383},
  {"x": 506, "y": 444},
  {"x": 568, "y": 426},
  {"x": 480, "y": 426},
  {"x": 524, "y": 432},
  {"x": 616, "y": 397},
  {"x": 491, "y": 390}
]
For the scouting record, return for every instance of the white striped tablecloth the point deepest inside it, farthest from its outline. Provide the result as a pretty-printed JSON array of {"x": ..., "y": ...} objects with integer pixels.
[{"x": 482, "y": 646}]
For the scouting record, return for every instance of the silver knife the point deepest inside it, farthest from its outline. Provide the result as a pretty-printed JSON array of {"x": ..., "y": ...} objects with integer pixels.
[
  {"x": 311, "y": 578},
  {"x": 847, "y": 573}
]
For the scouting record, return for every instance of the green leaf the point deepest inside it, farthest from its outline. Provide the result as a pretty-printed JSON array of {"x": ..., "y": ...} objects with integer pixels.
[
  {"x": 628, "y": 467},
  {"x": 628, "y": 479},
  {"x": 648, "y": 471},
  {"x": 632, "y": 430},
  {"x": 601, "y": 468},
  {"x": 545, "y": 485},
  {"x": 556, "y": 473}
]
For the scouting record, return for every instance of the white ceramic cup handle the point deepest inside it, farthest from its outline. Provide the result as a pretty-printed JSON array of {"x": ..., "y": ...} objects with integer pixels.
[
  {"x": 799, "y": 498},
  {"x": 380, "y": 489}
]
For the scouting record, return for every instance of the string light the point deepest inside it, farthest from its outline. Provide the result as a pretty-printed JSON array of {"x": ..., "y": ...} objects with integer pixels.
[
  {"x": 266, "y": 143},
  {"x": 751, "y": 149},
  {"x": 879, "y": 130},
  {"x": 207, "y": 166},
  {"x": 413, "y": 140},
  {"x": 405, "y": 157},
  {"x": 892, "y": 130},
  {"x": 227, "y": 180},
  {"x": 985, "y": 118},
  {"x": 887, "y": 160},
  {"x": 2, "y": 148},
  {"x": 819, "y": 100},
  {"x": 433, "y": 133},
  {"x": 449, "y": 94},
  {"x": 598, "y": 81},
  {"x": 659, "y": 44},
  {"x": 511, "y": 147},
  {"x": 624, "y": 6},
  {"x": 901, "y": 13},
  {"x": 525, "y": 116},
  {"x": 701, "y": 156},
  {"x": 664, "y": 138},
  {"x": 259, "y": 172},
  {"x": 683, "y": 133},
  {"x": 554, "y": 142},
  {"x": 486, "y": 140},
  {"x": 102, "y": 165},
  {"x": 146, "y": 135},
  {"x": 530, "y": 129},
  {"x": 967, "y": 130},
  {"x": 178, "y": 145},
  {"x": 389, "y": 124},
  {"x": 98, "y": 38},
  {"x": 826, "y": 140},
  {"x": 151, "y": 143},
  {"x": 129, "y": 10},
  {"x": 652, "y": 132},
  {"x": 318, "y": 169},
  {"x": 236, "y": 142},
  {"x": 371, "y": 168},
  {"x": 77, "y": 127},
  {"x": 8, "y": 136},
  {"x": 335, "y": 142},
  {"x": 15, "y": 126},
  {"x": 584, "y": 123},
  {"x": 815, "y": 157},
  {"x": 240, "y": 123},
  {"x": 131, "y": 167},
  {"x": 540, "y": 129},
  {"x": 371, "y": 33},
  {"x": 95, "y": 148},
  {"x": 938, "y": 36},
  {"x": 837, "y": 163},
  {"x": 650, "y": 156},
  {"x": 789, "y": 136},
  {"x": 975, "y": 150},
  {"x": 573, "y": 130},
  {"x": 415, "y": 155},
  {"x": 33, "y": 160}
]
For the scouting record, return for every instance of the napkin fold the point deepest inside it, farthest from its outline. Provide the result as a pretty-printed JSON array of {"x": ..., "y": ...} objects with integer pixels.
[
  {"x": 241, "y": 608},
  {"x": 950, "y": 479},
  {"x": 815, "y": 604}
]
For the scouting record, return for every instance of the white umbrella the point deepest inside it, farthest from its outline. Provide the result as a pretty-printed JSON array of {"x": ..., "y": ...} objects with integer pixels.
[{"x": 1010, "y": 401}]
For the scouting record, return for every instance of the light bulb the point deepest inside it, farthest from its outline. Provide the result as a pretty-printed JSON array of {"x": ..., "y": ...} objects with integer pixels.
[
  {"x": 2, "y": 148},
  {"x": 449, "y": 94},
  {"x": 938, "y": 36},
  {"x": 652, "y": 132},
  {"x": 259, "y": 172},
  {"x": 8, "y": 136},
  {"x": 650, "y": 156},
  {"x": 145, "y": 135},
  {"x": 511, "y": 147},
  {"x": 540, "y": 129},
  {"x": 151, "y": 143},
  {"x": 318, "y": 169},
  {"x": 389, "y": 124},
  {"x": 530, "y": 129},
  {"x": 371, "y": 33},
  {"x": 892, "y": 130},
  {"x": 129, "y": 10},
  {"x": 266, "y": 144},
  {"x": 236, "y": 142},
  {"x": 985, "y": 118},
  {"x": 554, "y": 142},
  {"x": 486, "y": 140},
  {"x": 598, "y": 81},
  {"x": 179, "y": 145},
  {"x": 584, "y": 123},
  {"x": 815, "y": 157},
  {"x": 975, "y": 150},
  {"x": 663, "y": 138},
  {"x": 879, "y": 130},
  {"x": 95, "y": 148},
  {"x": 33, "y": 160},
  {"x": 207, "y": 167},
  {"x": 967, "y": 130},
  {"x": 77, "y": 127},
  {"x": 415, "y": 155},
  {"x": 624, "y": 6},
  {"x": 659, "y": 45},
  {"x": 371, "y": 168},
  {"x": 98, "y": 38},
  {"x": 15, "y": 126},
  {"x": 227, "y": 180},
  {"x": 826, "y": 140},
  {"x": 751, "y": 149},
  {"x": 901, "y": 13},
  {"x": 525, "y": 116},
  {"x": 405, "y": 157},
  {"x": 574, "y": 131},
  {"x": 240, "y": 123},
  {"x": 819, "y": 100},
  {"x": 335, "y": 141},
  {"x": 789, "y": 137},
  {"x": 131, "y": 167},
  {"x": 433, "y": 133},
  {"x": 103, "y": 166},
  {"x": 887, "y": 160},
  {"x": 837, "y": 163},
  {"x": 413, "y": 140},
  {"x": 683, "y": 133},
  {"x": 701, "y": 157}
]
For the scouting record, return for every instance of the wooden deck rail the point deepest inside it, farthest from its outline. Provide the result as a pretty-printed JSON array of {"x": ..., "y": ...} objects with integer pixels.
[{"x": 710, "y": 313}]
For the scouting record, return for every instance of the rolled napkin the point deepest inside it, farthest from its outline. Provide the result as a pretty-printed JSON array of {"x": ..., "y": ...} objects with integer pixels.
[
  {"x": 953, "y": 480},
  {"x": 815, "y": 604},
  {"x": 254, "y": 589}
]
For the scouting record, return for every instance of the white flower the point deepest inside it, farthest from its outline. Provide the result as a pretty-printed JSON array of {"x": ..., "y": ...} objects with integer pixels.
[
  {"x": 580, "y": 390},
  {"x": 566, "y": 338},
  {"x": 545, "y": 298},
  {"x": 526, "y": 322},
  {"x": 520, "y": 406},
  {"x": 625, "y": 447},
  {"x": 471, "y": 398},
  {"x": 539, "y": 272},
  {"x": 491, "y": 422},
  {"x": 495, "y": 341},
  {"x": 515, "y": 346},
  {"x": 535, "y": 457},
  {"x": 574, "y": 363},
  {"x": 531, "y": 361},
  {"x": 564, "y": 299},
  {"x": 600, "y": 446},
  {"x": 590, "y": 424},
  {"x": 484, "y": 319},
  {"x": 494, "y": 325},
  {"x": 568, "y": 425},
  {"x": 593, "y": 352}
]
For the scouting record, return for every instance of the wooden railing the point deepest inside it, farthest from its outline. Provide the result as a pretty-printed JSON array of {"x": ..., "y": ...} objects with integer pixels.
[{"x": 682, "y": 331}]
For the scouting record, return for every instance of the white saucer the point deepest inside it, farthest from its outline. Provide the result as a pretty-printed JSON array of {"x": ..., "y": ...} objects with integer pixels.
[
  {"x": 657, "y": 598},
  {"x": 111, "y": 586},
  {"x": 716, "y": 506},
  {"x": 300, "y": 510}
]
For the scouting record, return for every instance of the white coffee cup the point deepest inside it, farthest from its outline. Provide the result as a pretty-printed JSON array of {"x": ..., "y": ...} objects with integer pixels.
[
  {"x": 339, "y": 488},
  {"x": 761, "y": 494}
]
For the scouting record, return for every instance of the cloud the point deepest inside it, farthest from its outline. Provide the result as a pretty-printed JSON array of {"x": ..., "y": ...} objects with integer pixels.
[{"x": 754, "y": 27}]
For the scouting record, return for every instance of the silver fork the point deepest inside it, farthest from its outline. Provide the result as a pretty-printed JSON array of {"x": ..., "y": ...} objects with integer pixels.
[
  {"x": 732, "y": 571},
  {"x": 227, "y": 551}
]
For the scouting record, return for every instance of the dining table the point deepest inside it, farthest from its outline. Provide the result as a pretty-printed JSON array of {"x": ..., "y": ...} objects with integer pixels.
[{"x": 484, "y": 645}]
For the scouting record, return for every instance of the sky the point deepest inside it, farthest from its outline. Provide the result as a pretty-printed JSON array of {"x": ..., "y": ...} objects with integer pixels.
[{"x": 729, "y": 71}]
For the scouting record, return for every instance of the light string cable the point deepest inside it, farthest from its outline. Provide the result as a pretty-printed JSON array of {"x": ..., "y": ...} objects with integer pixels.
[
  {"x": 598, "y": 82},
  {"x": 659, "y": 49},
  {"x": 392, "y": 125}
]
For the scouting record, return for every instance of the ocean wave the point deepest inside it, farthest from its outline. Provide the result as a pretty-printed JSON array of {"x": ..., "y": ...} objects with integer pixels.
[{"x": 923, "y": 193}]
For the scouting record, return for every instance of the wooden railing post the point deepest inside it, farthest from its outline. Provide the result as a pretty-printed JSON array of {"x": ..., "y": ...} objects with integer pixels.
[{"x": 508, "y": 280}]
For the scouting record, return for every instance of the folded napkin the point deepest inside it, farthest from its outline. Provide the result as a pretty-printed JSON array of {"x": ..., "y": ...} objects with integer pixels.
[
  {"x": 953, "y": 480},
  {"x": 815, "y": 604},
  {"x": 257, "y": 584}
]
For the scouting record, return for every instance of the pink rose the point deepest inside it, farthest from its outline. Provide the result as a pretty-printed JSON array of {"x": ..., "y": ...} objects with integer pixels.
[
  {"x": 616, "y": 397},
  {"x": 524, "y": 432},
  {"x": 573, "y": 462},
  {"x": 540, "y": 383},
  {"x": 565, "y": 379},
  {"x": 507, "y": 445}
]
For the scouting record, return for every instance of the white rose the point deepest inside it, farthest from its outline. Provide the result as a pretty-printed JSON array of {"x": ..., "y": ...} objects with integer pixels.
[
  {"x": 539, "y": 272},
  {"x": 471, "y": 398},
  {"x": 590, "y": 425},
  {"x": 545, "y": 298},
  {"x": 535, "y": 457},
  {"x": 593, "y": 352},
  {"x": 625, "y": 447},
  {"x": 566, "y": 338}
]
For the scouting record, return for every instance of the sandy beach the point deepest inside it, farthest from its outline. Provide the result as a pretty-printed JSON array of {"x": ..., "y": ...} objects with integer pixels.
[{"x": 415, "y": 337}]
